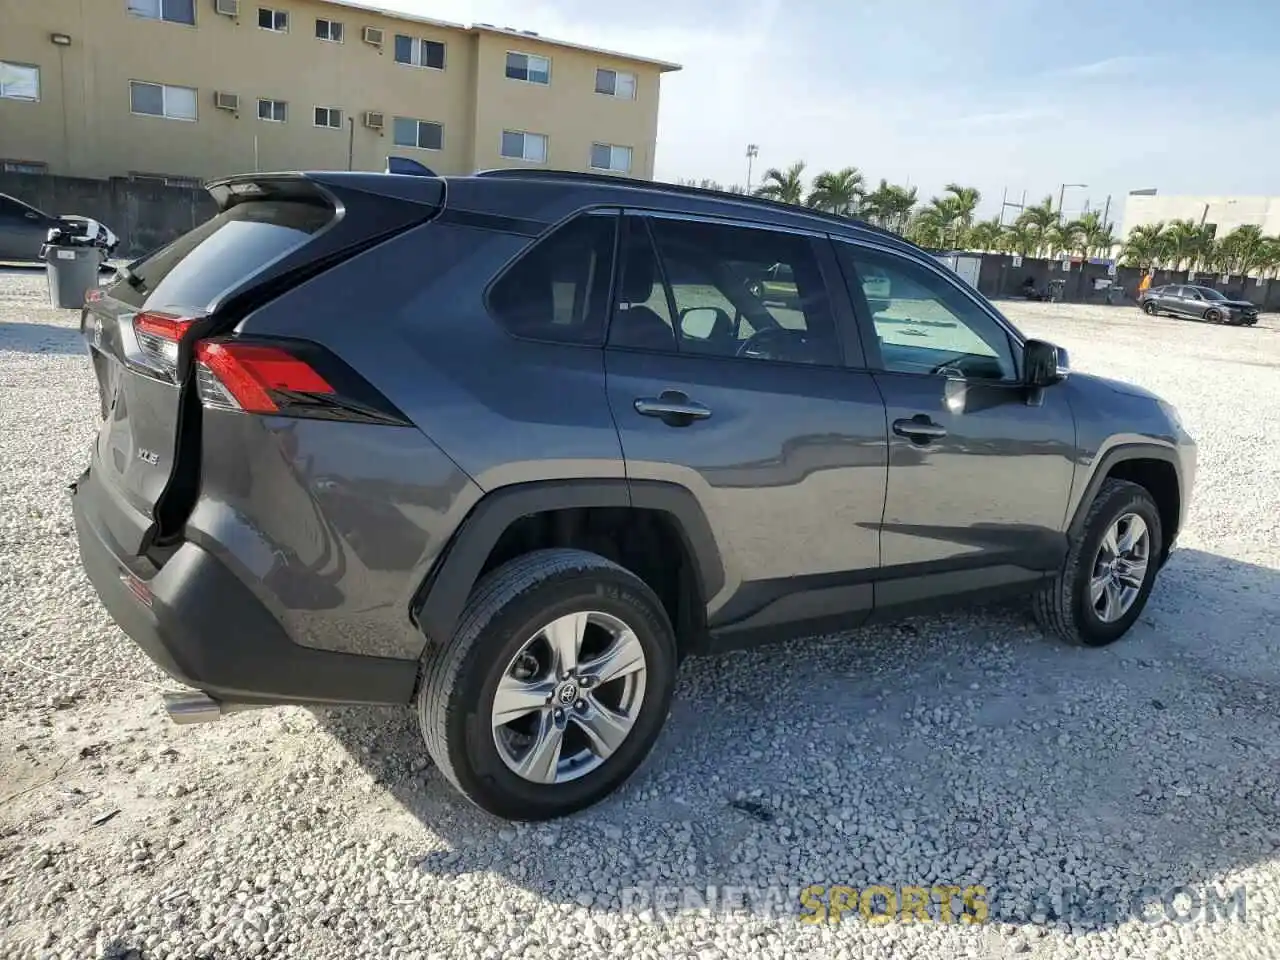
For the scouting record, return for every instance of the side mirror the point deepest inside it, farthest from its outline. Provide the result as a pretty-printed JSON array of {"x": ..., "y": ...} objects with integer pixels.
[
  {"x": 1044, "y": 364},
  {"x": 697, "y": 323}
]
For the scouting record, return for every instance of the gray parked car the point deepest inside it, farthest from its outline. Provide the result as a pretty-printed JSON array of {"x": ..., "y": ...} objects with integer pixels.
[
  {"x": 509, "y": 447},
  {"x": 1202, "y": 303}
]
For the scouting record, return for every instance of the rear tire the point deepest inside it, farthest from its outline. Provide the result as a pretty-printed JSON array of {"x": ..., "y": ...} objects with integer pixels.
[
  {"x": 507, "y": 611},
  {"x": 1149, "y": 308},
  {"x": 1065, "y": 606}
]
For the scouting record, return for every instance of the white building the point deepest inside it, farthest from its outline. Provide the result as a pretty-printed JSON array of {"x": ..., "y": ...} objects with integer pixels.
[{"x": 1146, "y": 207}]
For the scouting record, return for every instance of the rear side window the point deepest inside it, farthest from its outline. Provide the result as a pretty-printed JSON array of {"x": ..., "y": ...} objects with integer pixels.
[
  {"x": 221, "y": 253},
  {"x": 559, "y": 289}
]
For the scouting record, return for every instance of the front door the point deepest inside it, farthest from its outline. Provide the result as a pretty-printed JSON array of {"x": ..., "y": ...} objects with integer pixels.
[
  {"x": 980, "y": 468},
  {"x": 734, "y": 389}
]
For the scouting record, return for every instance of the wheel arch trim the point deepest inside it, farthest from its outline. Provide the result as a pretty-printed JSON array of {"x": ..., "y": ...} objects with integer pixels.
[
  {"x": 437, "y": 604},
  {"x": 1102, "y": 467}
]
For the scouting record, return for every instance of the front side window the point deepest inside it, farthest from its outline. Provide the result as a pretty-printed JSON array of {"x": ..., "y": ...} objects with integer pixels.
[
  {"x": 517, "y": 145},
  {"x": 529, "y": 68},
  {"x": 616, "y": 84},
  {"x": 720, "y": 290},
  {"x": 274, "y": 20},
  {"x": 162, "y": 100},
  {"x": 174, "y": 11},
  {"x": 1209, "y": 293},
  {"x": 329, "y": 117},
  {"x": 19, "y": 81},
  {"x": 416, "y": 52},
  {"x": 925, "y": 324},
  {"x": 275, "y": 111},
  {"x": 559, "y": 289},
  {"x": 330, "y": 30},
  {"x": 607, "y": 156},
  {"x": 424, "y": 134}
]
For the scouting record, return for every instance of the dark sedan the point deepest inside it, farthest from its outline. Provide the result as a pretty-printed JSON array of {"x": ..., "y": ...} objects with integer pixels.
[
  {"x": 1202, "y": 303},
  {"x": 24, "y": 229}
]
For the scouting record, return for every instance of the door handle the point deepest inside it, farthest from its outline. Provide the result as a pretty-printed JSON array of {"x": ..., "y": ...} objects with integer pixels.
[
  {"x": 672, "y": 407},
  {"x": 919, "y": 429}
]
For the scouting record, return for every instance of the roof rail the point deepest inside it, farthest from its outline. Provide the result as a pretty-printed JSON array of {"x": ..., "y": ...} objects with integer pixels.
[{"x": 515, "y": 173}]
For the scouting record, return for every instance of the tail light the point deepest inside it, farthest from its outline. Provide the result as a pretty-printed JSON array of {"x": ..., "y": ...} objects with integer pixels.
[
  {"x": 252, "y": 377},
  {"x": 157, "y": 336},
  {"x": 288, "y": 378}
]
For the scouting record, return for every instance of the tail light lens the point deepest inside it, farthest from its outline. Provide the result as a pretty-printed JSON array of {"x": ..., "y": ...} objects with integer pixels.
[
  {"x": 255, "y": 378},
  {"x": 157, "y": 336}
]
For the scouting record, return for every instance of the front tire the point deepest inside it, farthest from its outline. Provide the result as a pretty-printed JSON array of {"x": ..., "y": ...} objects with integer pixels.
[
  {"x": 1109, "y": 569},
  {"x": 553, "y": 688},
  {"x": 1213, "y": 316}
]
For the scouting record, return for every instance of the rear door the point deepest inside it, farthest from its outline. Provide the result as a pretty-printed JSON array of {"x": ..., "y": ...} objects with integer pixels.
[
  {"x": 22, "y": 230},
  {"x": 141, "y": 331},
  {"x": 1174, "y": 299},
  {"x": 720, "y": 388}
]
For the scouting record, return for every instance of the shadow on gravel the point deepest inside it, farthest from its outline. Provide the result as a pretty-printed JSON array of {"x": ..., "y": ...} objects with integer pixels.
[
  {"x": 1078, "y": 786},
  {"x": 21, "y": 337}
]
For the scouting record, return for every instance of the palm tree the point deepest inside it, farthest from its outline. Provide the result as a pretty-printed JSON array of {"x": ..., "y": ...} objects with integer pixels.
[
  {"x": 1242, "y": 249},
  {"x": 1146, "y": 245},
  {"x": 1064, "y": 237},
  {"x": 984, "y": 236},
  {"x": 1021, "y": 237},
  {"x": 784, "y": 185},
  {"x": 1187, "y": 241},
  {"x": 1039, "y": 219},
  {"x": 930, "y": 226},
  {"x": 837, "y": 192},
  {"x": 964, "y": 202},
  {"x": 890, "y": 205}
]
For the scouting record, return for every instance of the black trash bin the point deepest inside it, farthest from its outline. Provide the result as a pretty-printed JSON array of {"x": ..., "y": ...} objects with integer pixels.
[{"x": 72, "y": 269}]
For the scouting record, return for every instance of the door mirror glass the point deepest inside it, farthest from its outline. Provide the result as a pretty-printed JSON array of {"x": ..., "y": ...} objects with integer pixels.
[
  {"x": 697, "y": 323},
  {"x": 1044, "y": 364}
]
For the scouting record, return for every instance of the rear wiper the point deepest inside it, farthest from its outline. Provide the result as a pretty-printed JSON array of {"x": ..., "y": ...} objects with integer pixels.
[{"x": 129, "y": 277}]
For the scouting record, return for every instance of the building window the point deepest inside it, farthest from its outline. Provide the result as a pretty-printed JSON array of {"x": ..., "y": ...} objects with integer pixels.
[
  {"x": 19, "y": 81},
  {"x": 608, "y": 156},
  {"x": 407, "y": 132},
  {"x": 34, "y": 167},
  {"x": 276, "y": 111},
  {"x": 175, "y": 11},
  {"x": 517, "y": 145},
  {"x": 330, "y": 30},
  {"x": 615, "y": 84},
  {"x": 527, "y": 67},
  {"x": 329, "y": 117},
  {"x": 419, "y": 53},
  {"x": 162, "y": 100},
  {"x": 277, "y": 20}
]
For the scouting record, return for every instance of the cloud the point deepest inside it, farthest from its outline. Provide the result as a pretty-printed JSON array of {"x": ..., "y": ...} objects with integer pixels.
[
  {"x": 1122, "y": 66},
  {"x": 1008, "y": 117}
]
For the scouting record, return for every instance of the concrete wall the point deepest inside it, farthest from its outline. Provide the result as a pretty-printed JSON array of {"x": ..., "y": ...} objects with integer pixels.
[
  {"x": 82, "y": 124},
  {"x": 1227, "y": 212},
  {"x": 143, "y": 215}
]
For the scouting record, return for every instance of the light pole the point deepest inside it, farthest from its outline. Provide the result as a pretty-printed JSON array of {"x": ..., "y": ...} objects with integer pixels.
[
  {"x": 1061, "y": 191},
  {"x": 753, "y": 151}
]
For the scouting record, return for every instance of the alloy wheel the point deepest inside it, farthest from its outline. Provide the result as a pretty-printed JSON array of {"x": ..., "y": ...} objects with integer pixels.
[
  {"x": 1120, "y": 567},
  {"x": 569, "y": 697}
]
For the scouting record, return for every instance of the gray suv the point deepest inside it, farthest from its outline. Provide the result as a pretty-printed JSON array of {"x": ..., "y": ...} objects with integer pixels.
[{"x": 509, "y": 447}]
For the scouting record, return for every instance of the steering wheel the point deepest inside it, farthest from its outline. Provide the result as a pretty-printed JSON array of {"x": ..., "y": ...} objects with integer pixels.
[{"x": 758, "y": 344}]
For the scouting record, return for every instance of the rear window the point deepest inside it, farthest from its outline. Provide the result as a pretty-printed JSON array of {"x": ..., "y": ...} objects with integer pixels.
[{"x": 220, "y": 254}]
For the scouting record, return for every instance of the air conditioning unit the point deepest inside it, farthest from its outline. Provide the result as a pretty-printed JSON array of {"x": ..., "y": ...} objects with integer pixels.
[
  {"x": 373, "y": 36},
  {"x": 227, "y": 101},
  {"x": 374, "y": 120},
  {"x": 227, "y": 8}
]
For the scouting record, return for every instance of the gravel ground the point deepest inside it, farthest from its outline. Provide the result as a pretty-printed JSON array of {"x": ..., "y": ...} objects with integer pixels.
[{"x": 965, "y": 750}]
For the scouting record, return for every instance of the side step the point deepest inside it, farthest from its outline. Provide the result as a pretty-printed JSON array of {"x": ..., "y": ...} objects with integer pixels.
[{"x": 192, "y": 706}]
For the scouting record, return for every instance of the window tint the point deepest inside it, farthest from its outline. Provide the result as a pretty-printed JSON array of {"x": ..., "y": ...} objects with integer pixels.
[
  {"x": 924, "y": 323},
  {"x": 720, "y": 282},
  {"x": 198, "y": 266},
  {"x": 559, "y": 289}
]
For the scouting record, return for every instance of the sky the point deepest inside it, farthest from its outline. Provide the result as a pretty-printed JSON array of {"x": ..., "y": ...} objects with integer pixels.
[{"x": 1178, "y": 95}]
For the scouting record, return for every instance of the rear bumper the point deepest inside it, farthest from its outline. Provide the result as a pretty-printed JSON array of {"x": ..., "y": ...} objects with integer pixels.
[{"x": 205, "y": 628}]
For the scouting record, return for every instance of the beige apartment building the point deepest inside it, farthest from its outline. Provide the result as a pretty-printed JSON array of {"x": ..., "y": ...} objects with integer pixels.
[{"x": 196, "y": 89}]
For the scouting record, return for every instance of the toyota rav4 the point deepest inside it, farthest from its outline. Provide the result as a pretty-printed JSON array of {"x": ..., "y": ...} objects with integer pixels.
[{"x": 508, "y": 447}]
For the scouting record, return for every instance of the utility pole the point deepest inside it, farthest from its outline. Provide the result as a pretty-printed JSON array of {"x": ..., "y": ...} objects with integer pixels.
[
  {"x": 351, "y": 142},
  {"x": 1004, "y": 203},
  {"x": 753, "y": 151},
  {"x": 1062, "y": 191}
]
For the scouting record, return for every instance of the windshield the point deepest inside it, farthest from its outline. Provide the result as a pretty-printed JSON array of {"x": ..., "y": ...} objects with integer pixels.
[{"x": 1210, "y": 294}]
